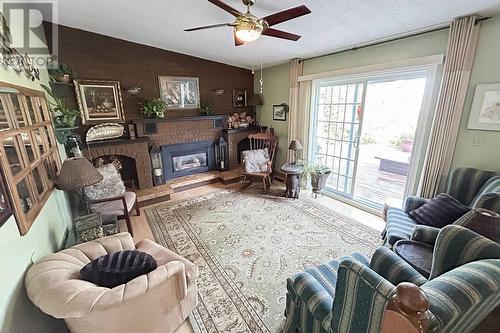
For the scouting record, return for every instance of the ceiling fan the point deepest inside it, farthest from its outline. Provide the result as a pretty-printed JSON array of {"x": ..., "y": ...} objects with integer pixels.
[{"x": 247, "y": 27}]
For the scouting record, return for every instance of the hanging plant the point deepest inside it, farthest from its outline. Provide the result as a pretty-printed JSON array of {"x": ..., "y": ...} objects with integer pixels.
[{"x": 64, "y": 117}]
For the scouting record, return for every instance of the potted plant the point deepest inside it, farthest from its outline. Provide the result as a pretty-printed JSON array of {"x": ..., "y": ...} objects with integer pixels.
[
  {"x": 63, "y": 73},
  {"x": 317, "y": 173},
  {"x": 65, "y": 118},
  {"x": 153, "y": 108},
  {"x": 207, "y": 108}
]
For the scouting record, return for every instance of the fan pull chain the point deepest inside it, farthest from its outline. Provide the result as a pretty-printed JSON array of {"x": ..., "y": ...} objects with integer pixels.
[{"x": 261, "y": 81}]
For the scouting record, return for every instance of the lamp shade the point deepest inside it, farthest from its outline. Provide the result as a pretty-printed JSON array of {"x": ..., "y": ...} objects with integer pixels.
[
  {"x": 295, "y": 145},
  {"x": 255, "y": 99},
  {"x": 76, "y": 173}
]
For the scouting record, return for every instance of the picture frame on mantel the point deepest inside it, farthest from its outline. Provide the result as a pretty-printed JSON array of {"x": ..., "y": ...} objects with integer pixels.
[
  {"x": 99, "y": 101},
  {"x": 179, "y": 92},
  {"x": 485, "y": 111}
]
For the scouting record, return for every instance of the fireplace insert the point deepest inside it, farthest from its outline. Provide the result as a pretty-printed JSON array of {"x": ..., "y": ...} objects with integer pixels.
[{"x": 187, "y": 158}]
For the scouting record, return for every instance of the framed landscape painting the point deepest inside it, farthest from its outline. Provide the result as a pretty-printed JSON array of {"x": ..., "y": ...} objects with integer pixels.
[
  {"x": 485, "y": 111},
  {"x": 179, "y": 92},
  {"x": 280, "y": 111},
  {"x": 99, "y": 101}
]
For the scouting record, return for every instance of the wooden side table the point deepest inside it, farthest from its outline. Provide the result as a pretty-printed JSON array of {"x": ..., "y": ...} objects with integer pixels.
[{"x": 292, "y": 179}]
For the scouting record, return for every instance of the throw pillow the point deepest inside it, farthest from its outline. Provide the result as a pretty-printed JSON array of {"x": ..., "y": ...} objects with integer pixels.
[
  {"x": 117, "y": 268},
  {"x": 256, "y": 160},
  {"x": 439, "y": 211},
  {"x": 110, "y": 186}
]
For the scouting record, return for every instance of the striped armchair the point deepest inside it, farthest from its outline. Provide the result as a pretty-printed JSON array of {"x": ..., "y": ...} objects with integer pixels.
[
  {"x": 351, "y": 295},
  {"x": 474, "y": 188}
]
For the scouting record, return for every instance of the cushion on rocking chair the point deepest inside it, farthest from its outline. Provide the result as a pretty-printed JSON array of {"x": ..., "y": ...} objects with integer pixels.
[{"x": 256, "y": 161}]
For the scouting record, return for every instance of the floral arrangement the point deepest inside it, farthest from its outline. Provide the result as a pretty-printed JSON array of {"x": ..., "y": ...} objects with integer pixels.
[{"x": 240, "y": 120}]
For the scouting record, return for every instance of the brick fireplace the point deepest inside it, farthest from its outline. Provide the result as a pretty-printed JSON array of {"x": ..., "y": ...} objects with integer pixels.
[
  {"x": 170, "y": 135},
  {"x": 136, "y": 149}
]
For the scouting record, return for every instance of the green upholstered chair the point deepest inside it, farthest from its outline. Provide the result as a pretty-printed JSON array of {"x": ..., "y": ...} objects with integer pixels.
[
  {"x": 474, "y": 188},
  {"x": 351, "y": 294}
]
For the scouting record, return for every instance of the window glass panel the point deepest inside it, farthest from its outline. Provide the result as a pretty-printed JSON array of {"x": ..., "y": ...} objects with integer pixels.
[
  {"x": 24, "y": 195},
  {"x": 51, "y": 142},
  {"x": 38, "y": 176},
  {"x": 40, "y": 140},
  {"x": 19, "y": 114},
  {"x": 50, "y": 169},
  {"x": 30, "y": 149},
  {"x": 4, "y": 124},
  {"x": 31, "y": 109},
  {"x": 43, "y": 110},
  {"x": 12, "y": 151}
]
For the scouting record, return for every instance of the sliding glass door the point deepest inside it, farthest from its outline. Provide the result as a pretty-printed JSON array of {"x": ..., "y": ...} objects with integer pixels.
[
  {"x": 337, "y": 132},
  {"x": 364, "y": 130}
]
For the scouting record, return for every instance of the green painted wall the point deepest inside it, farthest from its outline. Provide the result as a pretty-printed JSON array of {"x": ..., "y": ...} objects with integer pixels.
[
  {"x": 17, "y": 313},
  {"x": 276, "y": 91},
  {"x": 486, "y": 69},
  {"x": 276, "y": 79}
]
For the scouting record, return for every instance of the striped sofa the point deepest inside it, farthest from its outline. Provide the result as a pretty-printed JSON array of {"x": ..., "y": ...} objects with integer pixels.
[
  {"x": 472, "y": 187},
  {"x": 350, "y": 295}
]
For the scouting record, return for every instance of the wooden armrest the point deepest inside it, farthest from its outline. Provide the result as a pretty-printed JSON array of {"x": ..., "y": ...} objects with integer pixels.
[{"x": 120, "y": 197}]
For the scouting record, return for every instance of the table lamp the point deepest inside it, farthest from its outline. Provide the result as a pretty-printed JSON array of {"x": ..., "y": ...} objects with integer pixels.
[
  {"x": 295, "y": 145},
  {"x": 77, "y": 173}
]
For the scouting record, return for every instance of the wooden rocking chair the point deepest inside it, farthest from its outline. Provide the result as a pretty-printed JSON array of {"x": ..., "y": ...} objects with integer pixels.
[{"x": 262, "y": 141}]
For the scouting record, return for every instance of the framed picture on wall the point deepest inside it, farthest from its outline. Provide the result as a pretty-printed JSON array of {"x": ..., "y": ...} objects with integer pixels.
[
  {"x": 280, "y": 111},
  {"x": 99, "y": 101},
  {"x": 5, "y": 205},
  {"x": 239, "y": 97},
  {"x": 179, "y": 92},
  {"x": 485, "y": 111}
]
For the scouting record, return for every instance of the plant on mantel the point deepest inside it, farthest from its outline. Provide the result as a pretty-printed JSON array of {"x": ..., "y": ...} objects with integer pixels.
[
  {"x": 65, "y": 118},
  {"x": 207, "y": 108},
  {"x": 153, "y": 108}
]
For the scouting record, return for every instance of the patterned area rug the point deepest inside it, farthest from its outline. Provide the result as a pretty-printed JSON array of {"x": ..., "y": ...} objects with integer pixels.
[{"x": 246, "y": 244}]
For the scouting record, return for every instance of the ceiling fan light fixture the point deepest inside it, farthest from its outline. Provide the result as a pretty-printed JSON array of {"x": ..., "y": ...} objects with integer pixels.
[{"x": 248, "y": 31}]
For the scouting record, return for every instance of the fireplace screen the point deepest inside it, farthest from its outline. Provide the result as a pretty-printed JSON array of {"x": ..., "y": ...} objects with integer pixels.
[{"x": 190, "y": 161}]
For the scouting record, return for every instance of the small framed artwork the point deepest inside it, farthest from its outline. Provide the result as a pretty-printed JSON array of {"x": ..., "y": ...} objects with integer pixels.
[
  {"x": 179, "y": 92},
  {"x": 239, "y": 97},
  {"x": 485, "y": 111},
  {"x": 5, "y": 204},
  {"x": 99, "y": 101},
  {"x": 280, "y": 111}
]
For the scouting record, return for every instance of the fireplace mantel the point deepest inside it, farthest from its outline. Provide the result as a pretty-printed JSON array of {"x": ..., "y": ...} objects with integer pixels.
[{"x": 176, "y": 119}]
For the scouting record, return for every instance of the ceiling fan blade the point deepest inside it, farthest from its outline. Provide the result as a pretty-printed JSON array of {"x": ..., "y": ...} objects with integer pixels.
[
  {"x": 211, "y": 26},
  {"x": 286, "y": 15},
  {"x": 225, "y": 7},
  {"x": 280, "y": 34},
  {"x": 237, "y": 41}
]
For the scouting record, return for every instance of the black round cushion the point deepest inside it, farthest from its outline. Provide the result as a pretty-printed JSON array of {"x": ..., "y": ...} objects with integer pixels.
[{"x": 117, "y": 268}]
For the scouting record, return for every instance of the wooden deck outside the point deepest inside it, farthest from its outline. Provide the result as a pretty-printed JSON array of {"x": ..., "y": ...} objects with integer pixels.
[{"x": 377, "y": 186}]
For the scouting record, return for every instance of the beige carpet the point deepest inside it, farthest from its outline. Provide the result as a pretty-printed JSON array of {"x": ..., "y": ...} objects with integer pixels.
[{"x": 246, "y": 245}]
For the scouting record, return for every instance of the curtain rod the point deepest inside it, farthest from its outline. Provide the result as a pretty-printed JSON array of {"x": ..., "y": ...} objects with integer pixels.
[{"x": 353, "y": 49}]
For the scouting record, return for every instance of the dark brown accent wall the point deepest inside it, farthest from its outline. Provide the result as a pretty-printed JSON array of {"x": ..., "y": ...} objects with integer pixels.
[{"x": 94, "y": 56}]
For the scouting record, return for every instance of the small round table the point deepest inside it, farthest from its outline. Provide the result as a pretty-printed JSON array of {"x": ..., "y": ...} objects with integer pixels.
[{"x": 292, "y": 179}]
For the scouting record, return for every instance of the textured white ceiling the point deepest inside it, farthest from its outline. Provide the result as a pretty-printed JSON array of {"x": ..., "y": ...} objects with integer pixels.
[{"x": 332, "y": 25}]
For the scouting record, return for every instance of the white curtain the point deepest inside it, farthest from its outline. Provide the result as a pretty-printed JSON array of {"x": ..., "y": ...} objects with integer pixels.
[
  {"x": 459, "y": 59},
  {"x": 298, "y": 107}
]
